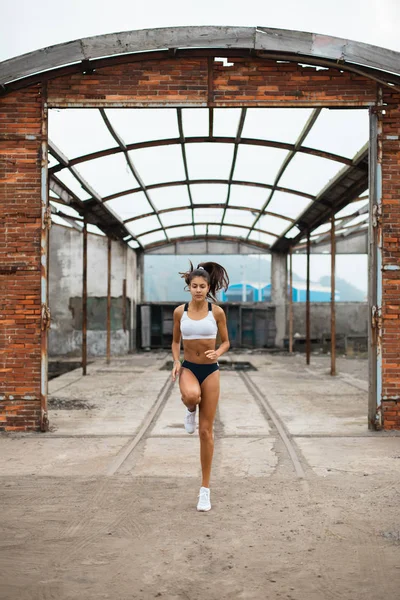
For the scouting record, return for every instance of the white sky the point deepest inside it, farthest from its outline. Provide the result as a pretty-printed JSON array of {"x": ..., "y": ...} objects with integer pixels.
[{"x": 26, "y": 26}]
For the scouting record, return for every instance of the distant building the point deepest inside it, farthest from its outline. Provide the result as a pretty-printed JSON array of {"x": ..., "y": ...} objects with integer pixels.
[{"x": 261, "y": 292}]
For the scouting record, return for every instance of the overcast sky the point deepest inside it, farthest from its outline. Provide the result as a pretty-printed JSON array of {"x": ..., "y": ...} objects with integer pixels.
[{"x": 26, "y": 25}]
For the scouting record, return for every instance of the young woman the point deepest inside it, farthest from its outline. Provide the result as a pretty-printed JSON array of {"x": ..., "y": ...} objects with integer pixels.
[{"x": 198, "y": 322}]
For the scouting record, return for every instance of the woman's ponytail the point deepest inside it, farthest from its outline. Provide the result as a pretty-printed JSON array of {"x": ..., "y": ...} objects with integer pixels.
[{"x": 213, "y": 273}]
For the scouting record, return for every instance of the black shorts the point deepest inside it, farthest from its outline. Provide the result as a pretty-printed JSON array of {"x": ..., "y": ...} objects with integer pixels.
[{"x": 200, "y": 371}]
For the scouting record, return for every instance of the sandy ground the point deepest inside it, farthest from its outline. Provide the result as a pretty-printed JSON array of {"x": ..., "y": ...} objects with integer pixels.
[{"x": 71, "y": 528}]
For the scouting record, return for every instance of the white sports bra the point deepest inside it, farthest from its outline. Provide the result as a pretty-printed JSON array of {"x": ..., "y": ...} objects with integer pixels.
[{"x": 202, "y": 329}]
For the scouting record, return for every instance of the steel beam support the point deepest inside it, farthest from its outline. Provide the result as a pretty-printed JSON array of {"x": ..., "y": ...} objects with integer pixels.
[
  {"x": 291, "y": 300},
  {"x": 44, "y": 248},
  {"x": 108, "y": 300},
  {"x": 375, "y": 270},
  {"x": 84, "y": 299},
  {"x": 333, "y": 307},
  {"x": 308, "y": 328}
]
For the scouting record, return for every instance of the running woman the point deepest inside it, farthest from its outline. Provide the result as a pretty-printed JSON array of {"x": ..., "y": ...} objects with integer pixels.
[{"x": 198, "y": 322}]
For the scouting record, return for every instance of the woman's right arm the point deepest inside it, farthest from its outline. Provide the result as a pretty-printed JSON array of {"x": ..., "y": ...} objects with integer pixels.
[{"x": 176, "y": 342}]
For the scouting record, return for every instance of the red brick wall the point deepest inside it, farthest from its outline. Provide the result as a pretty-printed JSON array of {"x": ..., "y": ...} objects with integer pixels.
[
  {"x": 251, "y": 82},
  {"x": 391, "y": 261},
  {"x": 20, "y": 233},
  {"x": 172, "y": 81}
]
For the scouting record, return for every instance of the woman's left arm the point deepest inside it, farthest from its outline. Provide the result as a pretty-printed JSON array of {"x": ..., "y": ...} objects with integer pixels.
[{"x": 223, "y": 332}]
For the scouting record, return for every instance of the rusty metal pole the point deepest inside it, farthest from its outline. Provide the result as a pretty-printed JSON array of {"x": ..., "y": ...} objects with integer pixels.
[
  {"x": 333, "y": 307},
  {"x": 44, "y": 248},
  {"x": 84, "y": 299},
  {"x": 108, "y": 300},
  {"x": 308, "y": 337},
  {"x": 290, "y": 301},
  {"x": 124, "y": 305}
]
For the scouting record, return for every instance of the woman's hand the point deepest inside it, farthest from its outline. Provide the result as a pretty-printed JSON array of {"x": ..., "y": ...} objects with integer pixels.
[
  {"x": 211, "y": 354},
  {"x": 175, "y": 369}
]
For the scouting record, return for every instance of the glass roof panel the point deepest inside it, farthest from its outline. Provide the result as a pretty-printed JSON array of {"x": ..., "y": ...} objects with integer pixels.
[
  {"x": 255, "y": 163},
  {"x": 52, "y": 162},
  {"x": 211, "y": 193},
  {"x": 150, "y": 238},
  {"x": 358, "y": 220},
  {"x": 73, "y": 184},
  {"x": 157, "y": 165},
  {"x": 195, "y": 122},
  {"x": 131, "y": 205},
  {"x": 234, "y": 231},
  {"x": 324, "y": 228},
  {"x": 245, "y": 195},
  {"x": 144, "y": 124},
  {"x": 169, "y": 197},
  {"x": 352, "y": 208},
  {"x": 239, "y": 217},
  {"x": 209, "y": 160},
  {"x": 341, "y": 132},
  {"x": 264, "y": 238},
  {"x": 94, "y": 229},
  {"x": 200, "y": 229},
  {"x": 60, "y": 221},
  {"x": 79, "y": 131},
  {"x": 288, "y": 205},
  {"x": 276, "y": 124},
  {"x": 176, "y": 217},
  {"x": 309, "y": 174},
  {"x": 272, "y": 224},
  {"x": 68, "y": 210},
  {"x": 213, "y": 229},
  {"x": 108, "y": 175},
  {"x": 143, "y": 225},
  {"x": 226, "y": 121},
  {"x": 208, "y": 215},
  {"x": 180, "y": 232},
  {"x": 133, "y": 244}
]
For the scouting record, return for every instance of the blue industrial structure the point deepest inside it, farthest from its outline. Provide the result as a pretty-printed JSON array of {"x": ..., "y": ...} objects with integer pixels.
[{"x": 256, "y": 292}]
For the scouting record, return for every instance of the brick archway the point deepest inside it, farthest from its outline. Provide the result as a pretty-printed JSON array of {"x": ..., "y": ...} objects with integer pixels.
[{"x": 267, "y": 74}]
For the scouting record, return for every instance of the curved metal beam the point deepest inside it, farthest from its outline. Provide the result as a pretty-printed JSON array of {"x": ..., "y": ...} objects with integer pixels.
[
  {"x": 139, "y": 235},
  {"x": 253, "y": 38},
  {"x": 220, "y": 205},
  {"x": 209, "y": 238},
  {"x": 201, "y": 140},
  {"x": 210, "y": 181}
]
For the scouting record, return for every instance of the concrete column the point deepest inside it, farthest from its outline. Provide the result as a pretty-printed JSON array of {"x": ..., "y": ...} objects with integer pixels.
[
  {"x": 140, "y": 277},
  {"x": 279, "y": 294}
]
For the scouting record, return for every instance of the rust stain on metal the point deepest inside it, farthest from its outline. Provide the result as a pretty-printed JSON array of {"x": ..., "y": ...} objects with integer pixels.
[
  {"x": 45, "y": 312},
  {"x": 84, "y": 299},
  {"x": 108, "y": 300}
]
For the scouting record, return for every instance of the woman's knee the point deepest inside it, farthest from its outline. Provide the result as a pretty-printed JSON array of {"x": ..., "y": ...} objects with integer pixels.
[
  {"x": 206, "y": 433},
  {"x": 190, "y": 398}
]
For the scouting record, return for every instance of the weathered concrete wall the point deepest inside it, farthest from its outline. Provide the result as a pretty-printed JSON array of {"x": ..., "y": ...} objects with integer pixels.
[
  {"x": 65, "y": 335},
  {"x": 351, "y": 318}
]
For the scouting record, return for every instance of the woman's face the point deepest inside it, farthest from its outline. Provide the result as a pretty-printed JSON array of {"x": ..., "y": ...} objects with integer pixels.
[{"x": 198, "y": 288}]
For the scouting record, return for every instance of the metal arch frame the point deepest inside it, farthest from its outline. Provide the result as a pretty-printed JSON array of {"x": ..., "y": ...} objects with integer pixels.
[
  {"x": 260, "y": 43},
  {"x": 70, "y": 164},
  {"x": 198, "y": 140},
  {"x": 373, "y": 61}
]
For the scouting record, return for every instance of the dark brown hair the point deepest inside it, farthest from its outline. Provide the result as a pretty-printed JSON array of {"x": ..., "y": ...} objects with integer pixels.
[{"x": 212, "y": 272}]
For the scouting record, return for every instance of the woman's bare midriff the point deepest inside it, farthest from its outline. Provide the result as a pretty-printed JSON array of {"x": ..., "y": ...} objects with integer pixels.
[{"x": 193, "y": 350}]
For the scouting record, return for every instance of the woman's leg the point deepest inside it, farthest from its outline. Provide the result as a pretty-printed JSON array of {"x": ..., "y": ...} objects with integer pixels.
[
  {"x": 208, "y": 407},
  {"x": 190, "y": 388}
]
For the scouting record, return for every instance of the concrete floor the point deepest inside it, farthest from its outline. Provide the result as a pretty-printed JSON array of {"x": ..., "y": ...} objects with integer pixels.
[{"x": 305, "y": 498}]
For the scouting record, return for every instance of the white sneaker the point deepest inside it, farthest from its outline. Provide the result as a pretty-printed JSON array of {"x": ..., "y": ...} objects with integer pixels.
[
  {"x": 190, "y": 421},
  {"x": 204, "y": 503}
]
